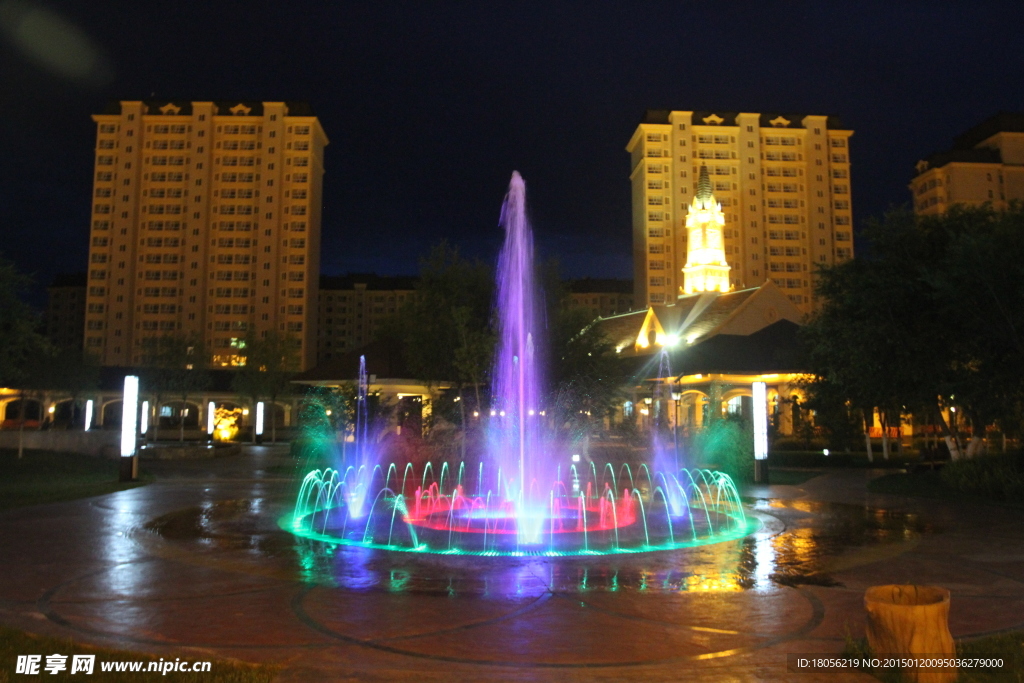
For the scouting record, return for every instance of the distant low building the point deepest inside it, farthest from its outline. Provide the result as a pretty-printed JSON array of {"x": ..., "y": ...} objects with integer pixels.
[
  {"x": 388, "y": 378},
  {"x": 64, "y": 320},
  {"x": 985, "y": 165},
  {"x": 601, "y": 297},
  {"x": 352, "y": 307}
]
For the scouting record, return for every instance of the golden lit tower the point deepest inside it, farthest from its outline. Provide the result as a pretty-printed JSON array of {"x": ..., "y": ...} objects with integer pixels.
[
  {"x": 706, "y": 269},
  {"x": 782, "y": 182}
]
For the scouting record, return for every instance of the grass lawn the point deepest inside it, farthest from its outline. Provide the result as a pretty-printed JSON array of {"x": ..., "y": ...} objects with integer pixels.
[
  {"x": 49, "y": 477},
  {"x": 931, "y": 485},
  {"x": 922, "y": 484},
  {"x": 14, "y": 643}
]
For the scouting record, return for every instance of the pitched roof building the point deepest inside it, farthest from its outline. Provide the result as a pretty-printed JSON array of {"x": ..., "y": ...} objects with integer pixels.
[{"x": 704, "y": 352}]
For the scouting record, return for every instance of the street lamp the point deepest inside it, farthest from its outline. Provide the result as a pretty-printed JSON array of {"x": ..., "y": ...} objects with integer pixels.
[
  {"x": 259, "y": 422},
  {"x": 760, "y": 402},
  {"x": 129, "y": 417},
  {"x": 677, "y": 398},
  {"x": 211, "y": 409},
  {"x": 88, "y": 414}
]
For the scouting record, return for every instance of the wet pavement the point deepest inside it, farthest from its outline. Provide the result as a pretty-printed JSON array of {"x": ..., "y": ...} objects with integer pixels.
[{"x": 196, "y": 565}]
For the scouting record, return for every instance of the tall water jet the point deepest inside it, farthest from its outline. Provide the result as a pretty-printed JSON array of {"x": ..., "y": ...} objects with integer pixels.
[
  {"x": 518, "y": 501},
  {"x": 516, "y": 386}
]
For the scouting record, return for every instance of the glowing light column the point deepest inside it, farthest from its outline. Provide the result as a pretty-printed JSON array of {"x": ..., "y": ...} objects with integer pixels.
[
  {"x": 259, "y": 422},
  {"x": 129, "y": 417},
  {"x": 211, "y": 409},
  {"x": 88, "y": 415},
  {"x": 760, "y": 432},
  {"x": 144, "y": 419}
]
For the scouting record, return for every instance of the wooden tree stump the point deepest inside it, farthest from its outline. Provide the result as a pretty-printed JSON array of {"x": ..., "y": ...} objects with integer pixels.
[{"x": 911, "y": 621}]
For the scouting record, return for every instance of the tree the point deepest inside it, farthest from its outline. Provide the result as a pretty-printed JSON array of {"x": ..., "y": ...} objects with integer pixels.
[
  {"x": 270, "y": 363},
  {"x": 175, "y": 365},
  {"x": 20, "y": 343},
  {"x": 585, "y": 376},
  {"x": 70, "y": 371},
  {"x": 450, "y": 311},
  {"x": 932, "y": 316},
  {"x": 18, "y": 324},
  {"x": 445, "y": 331}
]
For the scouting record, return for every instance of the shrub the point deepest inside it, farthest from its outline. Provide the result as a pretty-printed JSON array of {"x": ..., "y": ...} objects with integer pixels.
[
  {"x": 1000, "y": 477},
  {"x": 726, "y": 445}
]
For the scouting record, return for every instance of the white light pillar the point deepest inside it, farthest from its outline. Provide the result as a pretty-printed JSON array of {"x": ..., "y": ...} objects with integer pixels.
[
  {"x": 88, "y": 415},
  {"x": 760, "y": 402},
  {"x": 144, "y": 420},
  {"x": 129, "y": 423},
  {"x": 211, "y": 409},
  {"x": 129, "y": 413},
  {"x": 259, "y": 419}
]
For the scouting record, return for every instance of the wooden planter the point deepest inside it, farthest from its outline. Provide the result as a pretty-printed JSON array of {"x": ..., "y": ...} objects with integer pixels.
[{"x": 911, "y": 621}]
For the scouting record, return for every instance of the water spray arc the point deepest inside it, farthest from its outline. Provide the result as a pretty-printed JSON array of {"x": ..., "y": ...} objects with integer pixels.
[{"x": 525, "y": 497}]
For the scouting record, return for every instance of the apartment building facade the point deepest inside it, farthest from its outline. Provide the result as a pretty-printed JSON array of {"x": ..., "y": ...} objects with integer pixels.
[
  {"x": 783, "y": 182},
  {"x": 353, "y": 307},
  {"x": 205, "y": 220},
  {"x": 985, "y": 165},
  {"x": 600, "y": 297}
]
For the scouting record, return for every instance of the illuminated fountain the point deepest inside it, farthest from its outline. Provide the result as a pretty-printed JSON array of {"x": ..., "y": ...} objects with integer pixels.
[{"x": 525, "y": 496}]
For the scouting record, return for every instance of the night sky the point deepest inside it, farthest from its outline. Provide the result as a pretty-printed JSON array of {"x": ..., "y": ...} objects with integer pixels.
[{"x": 429, "y": 106}]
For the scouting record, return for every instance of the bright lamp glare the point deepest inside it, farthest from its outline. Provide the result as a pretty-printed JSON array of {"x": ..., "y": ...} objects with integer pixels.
[
  {"x": 259, "y": 418},
  {"x": 144, "y": 420},
  {"x": 129, "y": 415},
  {"x": 760, "y": 421},
  {"x": 211, "y": 408},
  {"x": 88, "y": 414}
]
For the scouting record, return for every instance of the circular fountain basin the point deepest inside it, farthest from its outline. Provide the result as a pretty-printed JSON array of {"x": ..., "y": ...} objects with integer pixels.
[{"x": 696, "y": 507}]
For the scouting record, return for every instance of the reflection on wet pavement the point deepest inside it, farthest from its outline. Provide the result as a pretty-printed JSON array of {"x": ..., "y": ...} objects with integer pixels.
[
  {"x": 204, "y": 564},
  {"x": 799, "y": 545}
]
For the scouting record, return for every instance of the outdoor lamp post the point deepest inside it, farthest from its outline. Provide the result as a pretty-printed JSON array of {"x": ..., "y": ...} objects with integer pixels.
[
  {"x": 760, "y": 432},
  {"x": 211, "y": 409},
  {"x": 144, "y": 419},
  {"x": 129, "y": 416},
  {"x": 259, "y": 422},
  {"x": 88, "y": 415}
]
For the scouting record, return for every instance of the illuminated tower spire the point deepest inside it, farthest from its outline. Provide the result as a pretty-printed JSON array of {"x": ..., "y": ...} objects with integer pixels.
[{"x": 706, "y": 269}]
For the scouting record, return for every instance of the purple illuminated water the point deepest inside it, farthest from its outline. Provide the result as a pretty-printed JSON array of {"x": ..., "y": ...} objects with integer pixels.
[
  {"x": 515, "y": 439},
  {"x": 526, "y": 495}
]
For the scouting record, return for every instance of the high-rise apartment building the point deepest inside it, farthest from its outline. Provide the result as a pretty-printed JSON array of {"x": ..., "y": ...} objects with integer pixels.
[
  {"x": 783, "y": 183},
  {"x": 205, "y": 220},
  {"x": 985, "y": 165}
]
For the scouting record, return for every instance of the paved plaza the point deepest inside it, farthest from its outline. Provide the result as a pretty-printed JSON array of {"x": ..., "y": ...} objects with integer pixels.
[{"x": 196, "y": 565}]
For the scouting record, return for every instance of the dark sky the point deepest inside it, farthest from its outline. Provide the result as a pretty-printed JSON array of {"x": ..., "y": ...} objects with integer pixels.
[{"x": 429, "y": 106}]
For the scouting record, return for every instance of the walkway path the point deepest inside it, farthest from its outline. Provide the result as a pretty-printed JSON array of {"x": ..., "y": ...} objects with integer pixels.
[{"x": 195, "y": 566}]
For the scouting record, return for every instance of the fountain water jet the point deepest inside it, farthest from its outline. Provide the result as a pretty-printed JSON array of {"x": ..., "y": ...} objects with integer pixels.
[{"x": 520, "y": 505}]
